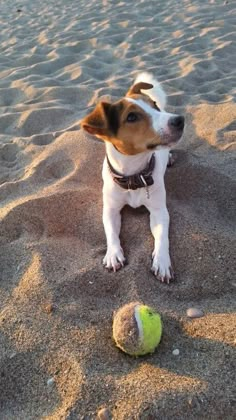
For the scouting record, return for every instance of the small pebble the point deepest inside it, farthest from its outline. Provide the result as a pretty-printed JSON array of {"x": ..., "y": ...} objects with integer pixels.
[
  {"x": 12, "y": 355},
  {"x": 175, "y": 352},
  {"x": 48, "y": 308},
  {"x": 194, "y": 313},
  {"x": 104, "y": 414},
  {"x": 50, "y": 381}
]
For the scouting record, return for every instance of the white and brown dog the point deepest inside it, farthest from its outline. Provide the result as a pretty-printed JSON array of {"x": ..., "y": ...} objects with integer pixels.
[{"x": 138, "y": 134}]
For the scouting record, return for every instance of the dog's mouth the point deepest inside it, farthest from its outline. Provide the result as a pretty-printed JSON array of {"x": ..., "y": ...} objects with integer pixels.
[
  {"x": 152, "y": 146},
  {"x": 166, "y": 140},
  {"x": 171, "y": 135}
]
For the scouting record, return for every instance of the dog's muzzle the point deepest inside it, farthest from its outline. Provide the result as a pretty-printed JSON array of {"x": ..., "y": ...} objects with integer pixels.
[{"x": 176, "y": 123}]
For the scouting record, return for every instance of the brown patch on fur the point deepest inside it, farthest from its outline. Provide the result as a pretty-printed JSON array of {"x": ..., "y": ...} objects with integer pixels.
[
  {"x": 138, "y": 87},
  {"x": 96, "y": 122},
  {"x": 109, "y": 123},
  {"x": 132, "y": 138}
]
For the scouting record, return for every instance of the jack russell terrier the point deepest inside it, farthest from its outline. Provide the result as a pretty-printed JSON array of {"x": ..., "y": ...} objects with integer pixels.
[{"x": 138, "y": 134}]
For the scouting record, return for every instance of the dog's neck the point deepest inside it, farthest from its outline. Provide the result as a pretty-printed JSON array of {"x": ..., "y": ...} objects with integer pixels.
[{"x": 127, "y": 164}]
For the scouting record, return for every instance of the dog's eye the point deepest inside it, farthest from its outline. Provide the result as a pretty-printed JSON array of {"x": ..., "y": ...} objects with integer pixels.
[
  {"x": 155, "y": 106},
  {"x": 132, "y": 117}
]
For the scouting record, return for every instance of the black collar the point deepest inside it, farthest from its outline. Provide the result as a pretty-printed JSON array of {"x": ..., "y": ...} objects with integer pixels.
[{"x": 133, "y": 182}]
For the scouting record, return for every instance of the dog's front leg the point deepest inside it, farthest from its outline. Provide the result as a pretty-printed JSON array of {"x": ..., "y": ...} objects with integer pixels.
[
  {"x": 114, "y": 258},
  {"x": 161, "y": 264}
]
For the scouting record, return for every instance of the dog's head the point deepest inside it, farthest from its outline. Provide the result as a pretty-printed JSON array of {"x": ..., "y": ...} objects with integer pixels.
[{"x": 135, "y": 123}]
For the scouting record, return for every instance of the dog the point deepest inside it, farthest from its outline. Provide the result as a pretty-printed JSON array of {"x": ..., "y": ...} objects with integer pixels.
[{"x": 138, "y": 134}]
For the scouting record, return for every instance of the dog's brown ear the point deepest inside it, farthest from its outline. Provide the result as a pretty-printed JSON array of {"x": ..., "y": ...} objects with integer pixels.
[
  {"x": 96, "y": 122},
  {"x": 136, "y": 89}
]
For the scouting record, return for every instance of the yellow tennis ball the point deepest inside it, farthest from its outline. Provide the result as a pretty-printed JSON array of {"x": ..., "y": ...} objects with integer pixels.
[{"x": 137, "y": 329}]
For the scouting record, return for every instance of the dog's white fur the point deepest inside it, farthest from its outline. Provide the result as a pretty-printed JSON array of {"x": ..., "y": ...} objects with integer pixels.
[
  {"x": 157, "y": 94},
  {"x": 115, "y": 198}
]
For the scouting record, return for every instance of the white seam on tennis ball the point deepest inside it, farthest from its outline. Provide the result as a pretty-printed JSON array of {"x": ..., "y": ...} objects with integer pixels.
[{"x": 139, "y": 322}]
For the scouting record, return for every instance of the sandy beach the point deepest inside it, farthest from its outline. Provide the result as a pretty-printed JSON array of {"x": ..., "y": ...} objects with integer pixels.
[{"x": 57, "y": 356}]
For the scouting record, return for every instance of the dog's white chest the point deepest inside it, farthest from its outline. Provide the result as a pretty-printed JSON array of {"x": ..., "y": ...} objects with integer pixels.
[
  {"x": 136, "y": 198},
  {"x": 114, "y": 195}
]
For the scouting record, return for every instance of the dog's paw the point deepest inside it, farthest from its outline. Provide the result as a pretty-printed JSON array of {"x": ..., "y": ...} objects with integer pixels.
[
  {"x": 161, "y": 268},
  {"x": 114, "y": 259}
]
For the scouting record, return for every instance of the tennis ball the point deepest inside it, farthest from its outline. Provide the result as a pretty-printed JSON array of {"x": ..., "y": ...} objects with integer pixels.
[{"x": 137, "y": 329}]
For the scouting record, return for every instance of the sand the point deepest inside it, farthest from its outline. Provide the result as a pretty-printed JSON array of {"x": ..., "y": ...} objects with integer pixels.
[{"x": 57, "y": 357}]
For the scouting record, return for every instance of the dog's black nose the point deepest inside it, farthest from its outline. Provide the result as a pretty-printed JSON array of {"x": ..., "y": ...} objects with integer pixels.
[{"x": 176, "y": 122}]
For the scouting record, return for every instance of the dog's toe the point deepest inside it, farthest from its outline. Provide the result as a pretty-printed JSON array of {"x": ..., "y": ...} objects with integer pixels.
[
  {"x": 114, "y": 260},
  {"x": 163, "y": 277},
  {"x": 167, "y": 277},
  {"x": 162, "y": 269}
]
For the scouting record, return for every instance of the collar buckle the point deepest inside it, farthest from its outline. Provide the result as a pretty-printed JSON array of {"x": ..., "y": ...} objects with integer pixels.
[{"x": 133, "y": 182}]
